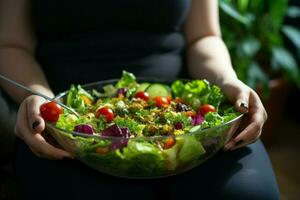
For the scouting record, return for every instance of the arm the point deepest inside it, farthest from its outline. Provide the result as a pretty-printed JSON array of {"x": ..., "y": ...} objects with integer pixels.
[
  {"x": 208, "y": 58},
  {"x": 207, "y": 54},
  {"x": 17, "y": 48}
]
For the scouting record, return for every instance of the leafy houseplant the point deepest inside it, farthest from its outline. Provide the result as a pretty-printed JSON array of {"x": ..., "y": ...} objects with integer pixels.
[{"x": 254, "y": 32}]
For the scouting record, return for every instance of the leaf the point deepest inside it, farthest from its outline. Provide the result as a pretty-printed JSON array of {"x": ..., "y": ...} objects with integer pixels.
[
  {"x": 256, "y": 6},
  {"x": 293, "y": 11},
  {"x": 278, "y": 11},
  {"x": 250, "y": 46},
  {"x": 293, "y": 34},
  {"x": 243, "y": 5},
  {"x": 284, "y": 59},
  {"x": 127, "y": 80},
  {"x": 256, "y": 75},
  {"x": 232, "y": 12}
]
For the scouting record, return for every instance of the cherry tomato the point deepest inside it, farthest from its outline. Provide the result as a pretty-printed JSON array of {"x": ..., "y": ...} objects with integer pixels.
[
  {"x": 105, "y": 112},
  {"x": 160, "y": 101},
  {"x": 169, "y": 143},
  {"x": 142, "y": 95},
  {"x": 50, "y": 111},
  {"x": 206, "y": 108}
]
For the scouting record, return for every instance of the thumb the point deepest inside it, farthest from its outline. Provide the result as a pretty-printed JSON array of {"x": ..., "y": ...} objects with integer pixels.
[
  {"x": 242, "y": 102},
  {"x": 237, "y": 94},
  {"x": 35, "y": 121}
]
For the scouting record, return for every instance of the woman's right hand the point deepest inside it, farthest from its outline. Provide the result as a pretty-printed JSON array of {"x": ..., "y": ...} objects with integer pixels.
[{"x": 29, "y": 127}]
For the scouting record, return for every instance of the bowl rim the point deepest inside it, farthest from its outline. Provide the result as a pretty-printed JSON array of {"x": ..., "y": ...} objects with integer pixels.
[
  {"x": 150, "y": 79},
  {"x": 74, "y": 133}
]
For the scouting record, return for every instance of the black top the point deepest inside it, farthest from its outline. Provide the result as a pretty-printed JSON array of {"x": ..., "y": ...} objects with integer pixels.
[{"x": 84, "y": 41}]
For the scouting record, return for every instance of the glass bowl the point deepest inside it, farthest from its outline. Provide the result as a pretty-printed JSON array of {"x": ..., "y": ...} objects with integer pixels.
[{"x": 143, "y": 157}]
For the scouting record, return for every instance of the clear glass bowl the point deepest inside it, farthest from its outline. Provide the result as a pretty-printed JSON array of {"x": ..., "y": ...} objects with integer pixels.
[{"x": 143, "y": 157}]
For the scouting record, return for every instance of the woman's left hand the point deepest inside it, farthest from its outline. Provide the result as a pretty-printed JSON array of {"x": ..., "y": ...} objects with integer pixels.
[{"x": 246, "y": 101}]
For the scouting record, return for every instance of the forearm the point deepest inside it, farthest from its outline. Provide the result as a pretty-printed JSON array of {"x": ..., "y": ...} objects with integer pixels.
[
  {"x": 208, "y": 58},
  {"x": 20, "y": 65}
]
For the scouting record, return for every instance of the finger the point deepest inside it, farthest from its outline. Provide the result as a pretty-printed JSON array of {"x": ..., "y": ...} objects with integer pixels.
[
  {"x": 241, "y": 102},
  {"x": 20, "y": 120},
  {"x": 239, "y": 95},
  {"x": 35, "y": 121},
  {"x": 251, "y": 132},
  {"x": 36, "y": 142},
  {"x": 45, "y": 150},
  {"x": 247, "y": 136}
]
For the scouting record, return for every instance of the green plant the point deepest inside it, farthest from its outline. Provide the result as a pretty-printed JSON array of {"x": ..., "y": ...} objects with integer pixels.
[{"x": 254, "y": 32}]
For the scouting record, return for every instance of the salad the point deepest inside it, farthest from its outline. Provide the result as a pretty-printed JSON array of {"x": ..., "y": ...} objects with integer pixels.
[{"x": 142, "y": 128}]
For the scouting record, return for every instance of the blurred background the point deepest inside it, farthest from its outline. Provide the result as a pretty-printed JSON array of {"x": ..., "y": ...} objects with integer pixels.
[{"x": 263, "y": 38}]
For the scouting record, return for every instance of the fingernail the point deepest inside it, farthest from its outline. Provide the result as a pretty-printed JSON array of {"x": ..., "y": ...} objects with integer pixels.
[
  {"x": 35, "y": 124},
  {"x": 244, "y": 105},
  {"x": 239, "y": 142}
]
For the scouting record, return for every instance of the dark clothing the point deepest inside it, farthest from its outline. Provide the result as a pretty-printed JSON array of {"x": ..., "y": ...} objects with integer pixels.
[
  {"x": 86, "y": 41},
  {"x": 242, "y": 174}
]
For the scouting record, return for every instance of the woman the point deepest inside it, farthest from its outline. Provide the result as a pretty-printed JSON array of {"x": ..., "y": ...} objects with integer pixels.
[{"x": 47, "y": 45}]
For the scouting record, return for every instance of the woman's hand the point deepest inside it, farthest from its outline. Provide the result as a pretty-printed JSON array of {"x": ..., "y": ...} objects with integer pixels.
[
  {"x": 246, "y": 101},
  {"x": 29, "y": 127}
]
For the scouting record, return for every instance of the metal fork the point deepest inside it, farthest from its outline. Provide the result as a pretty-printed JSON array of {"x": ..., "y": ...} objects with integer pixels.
[{"x": 38, "y": 94}]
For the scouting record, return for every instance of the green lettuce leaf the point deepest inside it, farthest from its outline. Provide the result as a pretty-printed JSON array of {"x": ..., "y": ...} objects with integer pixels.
[
  {"x": 74, "y": 97},
  {"x": 143, "y": 157},
  {"x": 191, "y": 150},
  {"x": 198, "y": 92},
  {"x": 127, "y": 80}
]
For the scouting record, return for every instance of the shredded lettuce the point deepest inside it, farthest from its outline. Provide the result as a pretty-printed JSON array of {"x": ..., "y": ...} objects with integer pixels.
[
  {"x": 133, "y": 126},
  {"x": 173, "y": 118}
]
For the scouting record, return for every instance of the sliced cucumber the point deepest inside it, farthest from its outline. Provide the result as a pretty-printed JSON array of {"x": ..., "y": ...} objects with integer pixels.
[
  {"x": 157, "y": 89},
  {"x": 143, "y": 87}
]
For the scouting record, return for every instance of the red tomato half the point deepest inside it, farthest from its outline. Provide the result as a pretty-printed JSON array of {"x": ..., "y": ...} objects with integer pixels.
[
  {"x": 105, "y": 112},
  {"x": 206, "y": 108},
  {"x": 50, "y": 111},
  {"x": 160, "y": 101},
  {"x": 169, "y": 143},
  {"x": 142, "y": 95}
]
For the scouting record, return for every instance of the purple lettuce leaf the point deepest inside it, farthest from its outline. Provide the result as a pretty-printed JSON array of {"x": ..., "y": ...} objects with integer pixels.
[
  {"x": 197, "y": 119},
  {"x": 84, "y": 128},
  {"x": 115, "y": 131}
]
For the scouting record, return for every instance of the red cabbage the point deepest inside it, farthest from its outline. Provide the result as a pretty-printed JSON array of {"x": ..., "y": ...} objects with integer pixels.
[
  {"x": 116, "y": 131},
  {"x": 178, "y": 125},
  {"x": 84, "y": 128},
  {"x": 121, "y": 91},
  {"x": 198, "y": 119}
]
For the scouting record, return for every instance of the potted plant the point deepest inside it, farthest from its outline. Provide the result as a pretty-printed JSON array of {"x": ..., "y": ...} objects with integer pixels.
[{"x": 255, "y": 32}]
